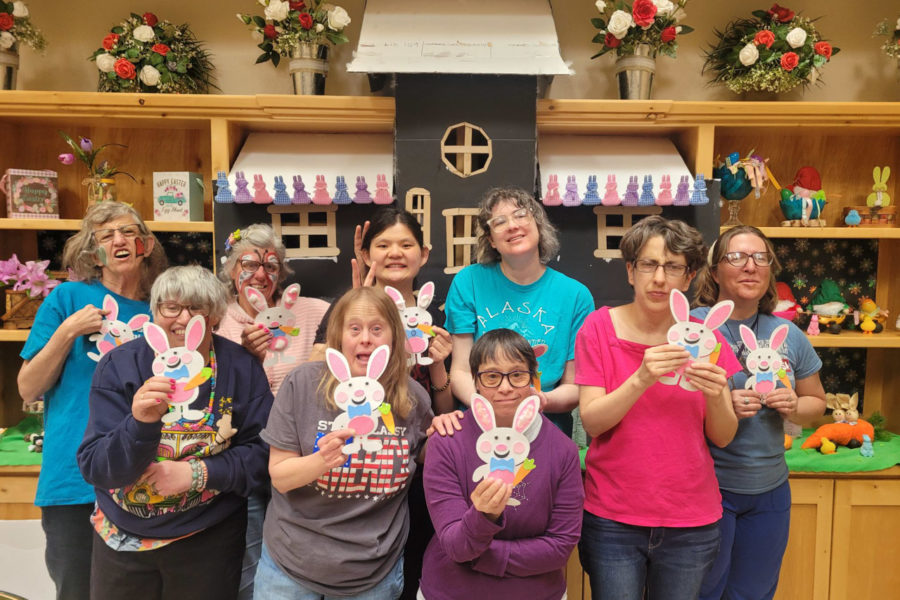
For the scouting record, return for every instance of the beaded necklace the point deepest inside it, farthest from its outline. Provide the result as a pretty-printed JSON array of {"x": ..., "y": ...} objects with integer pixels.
[{"x": 207, "y": 419}]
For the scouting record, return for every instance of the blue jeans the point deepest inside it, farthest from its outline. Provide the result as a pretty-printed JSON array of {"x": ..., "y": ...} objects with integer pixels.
[
  {"x": 621, "y": 560},
  {"x": 754, "y": 537},
  {"x": 256, "y": 516},
  {"x": 70, "y": 537},
  {"x": 274, "y": 584}
]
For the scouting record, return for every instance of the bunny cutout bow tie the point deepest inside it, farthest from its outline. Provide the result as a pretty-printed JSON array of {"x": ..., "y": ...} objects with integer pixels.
[
  {"x": 503, "y": 464},
  {"x": 694, "y": 349},
  {"x": 362, "y": 410},
  {"x": 179, "y": 373},
  {"x": 760, "y": 377}
]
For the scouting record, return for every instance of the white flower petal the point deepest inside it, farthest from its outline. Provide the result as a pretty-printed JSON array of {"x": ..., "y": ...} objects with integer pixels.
[{"x": 749, "y": 55}]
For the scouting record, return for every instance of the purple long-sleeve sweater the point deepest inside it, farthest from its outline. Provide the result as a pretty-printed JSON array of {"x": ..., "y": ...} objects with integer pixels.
[{"x": 524, "y": 554}]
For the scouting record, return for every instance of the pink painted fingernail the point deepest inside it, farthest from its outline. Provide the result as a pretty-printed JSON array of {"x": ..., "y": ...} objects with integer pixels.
[
  {"x": 169, "y": 396},
  {"x": 172, "y": 381},
  {"x": 159, "y": 400}
]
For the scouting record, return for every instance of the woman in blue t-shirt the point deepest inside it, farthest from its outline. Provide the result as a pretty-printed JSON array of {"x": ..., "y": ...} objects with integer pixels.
[{"x": 752, "y": 473}]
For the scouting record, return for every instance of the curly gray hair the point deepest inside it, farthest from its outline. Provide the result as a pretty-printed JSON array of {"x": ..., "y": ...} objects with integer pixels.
[
  {"x": 190, "y": 285},
  {"x": 548, "y": 241},
  {"x": 259, "y": 235}
]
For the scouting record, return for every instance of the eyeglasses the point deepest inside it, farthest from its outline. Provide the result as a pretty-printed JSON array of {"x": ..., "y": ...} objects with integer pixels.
[
  {"x": 672, "y": 270},
  {"x": 739, "y": 259},
  {"x": 251, "y": 266},
  {"x": 521, "y": 216},
  {"x": 108, "y": 234},
  {"x": 173, "y": 310},
  {"x": 493, "y": 379}
]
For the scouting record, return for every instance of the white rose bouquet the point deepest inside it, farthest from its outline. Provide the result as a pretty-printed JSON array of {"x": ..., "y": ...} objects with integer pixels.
[
  {"x": 286, "y": 24},
  {"x": 16, "y": 28},
  {"x": 144, "y": 54},
  {"x": 623, "y": 26}
]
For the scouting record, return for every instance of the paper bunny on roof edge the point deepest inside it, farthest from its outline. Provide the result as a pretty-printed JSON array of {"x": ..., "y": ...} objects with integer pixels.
[{"x": 278, "y": 319}]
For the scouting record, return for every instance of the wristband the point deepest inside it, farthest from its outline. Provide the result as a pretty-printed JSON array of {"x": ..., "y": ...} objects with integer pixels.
[{"x": 443, "y": 387}]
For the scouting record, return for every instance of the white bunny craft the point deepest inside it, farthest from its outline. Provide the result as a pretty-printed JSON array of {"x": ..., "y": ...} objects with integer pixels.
[
  {"x": 696, "y": 338},
  {"x": 416, "y": 321},
  {"x": 360, "y": 398},
  {"x": 181, "y": 363},
  {"x": 114, "y": 333},
  {"x": 504, "y": 450},
  {"x": 279, "y": 320},
  {"x": 763, "y": 363}
]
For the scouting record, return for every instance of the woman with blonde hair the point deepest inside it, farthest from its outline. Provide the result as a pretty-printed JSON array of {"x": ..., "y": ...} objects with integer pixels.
[{"x": 115, "y": 256}]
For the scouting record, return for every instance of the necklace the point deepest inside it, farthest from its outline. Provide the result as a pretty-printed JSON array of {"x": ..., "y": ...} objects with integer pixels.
[{"x": 735, "y": 339}]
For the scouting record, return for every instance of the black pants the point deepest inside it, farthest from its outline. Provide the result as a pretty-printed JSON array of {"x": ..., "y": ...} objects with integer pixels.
[
  {"x": 68, "y": 554},
  {"x": 204, "y": 565}
]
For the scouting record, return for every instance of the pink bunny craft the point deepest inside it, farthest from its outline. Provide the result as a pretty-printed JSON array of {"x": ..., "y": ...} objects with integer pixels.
[
  {"x": 359, "y": 398},
  {"x": 362, "y": 195},
  {"x": 114, "y": 333},
  {"x": 321, "y": 195},
  {"x": 503, "y": 449},
  {"x": 552, "y": 198},
  {"x": 241, "y": 194},
  {"x": 382, "y": 195},
  {"x": 181, "y": 363},
  {"x": 279, "y": 320},
  {"x": 416, "y": 321},
  {"x": 261, "y": 194},
  {"x": 611, "y": 197},
  {"x": 300, "y": 196},
  {"x": 665, "y": 192},
  {"x": 697, "y": 338},
  {"x": 763, "y": 363},
  {"x": 571, "y": 197}
]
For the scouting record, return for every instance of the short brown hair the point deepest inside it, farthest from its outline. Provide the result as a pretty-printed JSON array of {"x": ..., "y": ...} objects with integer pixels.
[
  {"x": 501, "y": 342},
  {"x": 548, "y": 241},
  {"x": 678, "y": 236}
]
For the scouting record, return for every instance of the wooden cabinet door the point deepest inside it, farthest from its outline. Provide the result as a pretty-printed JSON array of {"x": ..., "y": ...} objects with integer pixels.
[{"x": 804, "y": 571}]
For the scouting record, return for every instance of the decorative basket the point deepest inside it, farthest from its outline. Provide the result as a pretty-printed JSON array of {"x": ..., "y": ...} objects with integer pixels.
[
  {"x": 885, "y": 216},
  {"x": 21, "y": 308}
]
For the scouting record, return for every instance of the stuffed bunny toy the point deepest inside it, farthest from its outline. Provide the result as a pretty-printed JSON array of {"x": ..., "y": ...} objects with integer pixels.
[
  {"x": 279, "y": 320},
  {"x": 763, "y": 363},
  {"x": 503, "y": 449},
  {"x": 181, "y": 363},
  {"x": 359, "y": 398},
  {"x": 696, "y": 338},
  {"x": 114, "y": 333},
  {"x": 879, "y": 196},
  {"x": 416, "y": 321}
]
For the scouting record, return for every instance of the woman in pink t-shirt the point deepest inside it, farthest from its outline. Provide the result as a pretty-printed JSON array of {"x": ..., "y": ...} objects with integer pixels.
[{"x": 652, "y": 502}]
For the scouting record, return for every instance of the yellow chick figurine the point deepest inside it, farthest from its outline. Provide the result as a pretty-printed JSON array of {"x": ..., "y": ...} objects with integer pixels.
[
  {"x": 827, "y": 446},
  {"x": 867, "y": 326}
]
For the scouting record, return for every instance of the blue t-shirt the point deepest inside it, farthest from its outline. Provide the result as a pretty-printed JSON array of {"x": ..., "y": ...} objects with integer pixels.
[
  {"x": 549, "y": 311},
  {"x": 66, "y": 402},
  {"x": 753, "y": 463}
]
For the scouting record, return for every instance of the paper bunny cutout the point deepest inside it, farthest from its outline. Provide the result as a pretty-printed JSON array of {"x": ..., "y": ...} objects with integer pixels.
[
  {"x": 763, "y": 363},
  {"x": 359, "y": 398},
  {"x": 279, "y": 320},
  {"x": 181, "y": 363},
  {"x": 320, "y": 195},
  {"x": 416, "y": 321},
  {"x": 571, "y": 197},
  {"x": 879, "y": 196},
  {"x": 300, "y": 196},
  {"x": 341, "y": 196},
  {"x": 631, "y": 192},
  {"x": 362, "y": 195},
  {"x": 665, "y": 192},
  {"x": 503, "y": 450},
  {"x": 281, "y": 195},
  {"x": 241, "y": 194},
  {"x": 682, "y": 197},
  {"x": 223, "y": 191},
  {"x": 113, "y": 333},
  {"x": 611, "y": 196},
  {"x": 261, "y": 194},
  {"x": 696, "y": 338},
  {"x": 647, "y": 198},
  {"x": 382, "y": 195},
  {"x": 591, "y": 197},
  {"x": 552, "y": 198},
  {"x": 698, "y": 195}
]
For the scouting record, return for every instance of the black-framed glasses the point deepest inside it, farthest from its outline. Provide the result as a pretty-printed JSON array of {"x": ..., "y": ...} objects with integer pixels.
[
  {"x": 739, "y": 259},
  {"x": 493, "y": 379},
  {"x": 521, "y": 216},
  {"x": 173, "y": 310},
  {"x": 251, "y": 266},
  {"x": 107, "y": 234},
  {"x": 643, "y": 265}
]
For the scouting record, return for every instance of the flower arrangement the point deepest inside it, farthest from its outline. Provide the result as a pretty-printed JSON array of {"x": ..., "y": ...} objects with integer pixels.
[
  {"x": 286, "y": 25},
  {"x": 652, "y": 22},
  {"x": 891, "y": 45},
  {"x": 31, "y": 277},
  {"x": 16, "y": 27},
  {"x": 776, "y": 50},
  {"x": 85, "y": 151},
  {"x": 144, "y": 54}
]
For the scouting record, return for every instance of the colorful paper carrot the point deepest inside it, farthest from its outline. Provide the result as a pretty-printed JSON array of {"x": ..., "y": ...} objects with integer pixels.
[
  {"x": 426, "y": 329},
  {"x": 783, "y": 378},
  {"x": 524, "y": 469},
  {"x": 387, "y": 416},
  {"x": 294, "y": 331},
  {"x": 536, "y": 381},
  {"x": 198, "y": 379},
  {"x": 714, "y": 356}
]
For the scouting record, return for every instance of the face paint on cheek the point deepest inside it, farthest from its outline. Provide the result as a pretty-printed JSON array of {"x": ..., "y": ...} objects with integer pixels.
[
  {"x": 102, "y": 256},
  {"x": 138, "y": 246},
  {"x": 243, "y": 278},
  {"x": 272, "y": 258}
]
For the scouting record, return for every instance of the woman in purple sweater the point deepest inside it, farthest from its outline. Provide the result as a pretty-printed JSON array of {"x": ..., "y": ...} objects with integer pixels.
[{"x": 505, "y": 491}]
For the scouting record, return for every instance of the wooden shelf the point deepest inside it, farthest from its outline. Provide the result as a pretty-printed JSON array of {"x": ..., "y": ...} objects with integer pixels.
[
  {"x": 14, "y": 335},
  {"x": 860, "y": 233},
  {"x": 856, "y": 339},
  {"x": 75, "y": 225}
]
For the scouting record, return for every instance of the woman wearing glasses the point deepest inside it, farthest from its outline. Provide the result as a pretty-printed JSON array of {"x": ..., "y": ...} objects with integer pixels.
[
  {"x": 171, "y": 473},
  {"x": 115, "y": 255},
  {"x": 255, "y": 258},
  {"x": 512, "y": 287},
  {"x": 752, "y": 474},
  {"x": 483, "y": 547},
  {"x": 651, "y": 499}
]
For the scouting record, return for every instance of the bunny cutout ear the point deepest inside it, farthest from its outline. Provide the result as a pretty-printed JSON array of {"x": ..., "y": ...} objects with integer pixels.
[
  {"x": 748, "y": 337},
  {"x": 718, "y": 314},
  {"x": 678, "y": 303},
  {"x": 527, "y": 411},
  {"x": 876, "y": 174},
  {"x": 337, "y": 364},
  {"x": 778, "y": 336},
  {"x": 885, "y": 174},
  {"x": 378, "y": 362},
  {"x": 395, "y": 295},
  {"x": 111, "y": 307},
  {"x": 484, "y": 413},
  {"x": 196, "y": 329},
  {"x": 426, "y": 294},
  {"x": 290, "y": 295},
  {"x": 156, "y": 337},
  {"x": 255, "y": 298},
  {"x": 137, "y": 321}
]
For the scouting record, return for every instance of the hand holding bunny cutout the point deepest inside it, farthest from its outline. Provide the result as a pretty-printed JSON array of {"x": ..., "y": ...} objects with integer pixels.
[
  {"x": 763, "y": 363},
  {"x": 183, "y": 364},
  {"x": 416, "y": 321},
  {"x": 278, "y": 320},
  {"x": 113, "y": 333}
]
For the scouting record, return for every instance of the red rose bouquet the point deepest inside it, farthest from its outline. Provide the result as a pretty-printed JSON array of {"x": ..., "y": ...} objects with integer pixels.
[
  {"x": 776, "y": 50},
  {"x": 655, "y": 23},
  {"x": 144, "y": 54},
  {"x": 16, "y": 28}
]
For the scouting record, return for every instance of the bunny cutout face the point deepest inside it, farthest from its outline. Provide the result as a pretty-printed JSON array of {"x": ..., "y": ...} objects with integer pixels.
[
  {"x": 279, "y": 320},
  {"x": 416, "y": 322},
  {"x": 764, "y": 363},
  {"x": 113, "y": 333},
  {"x": 181, "y": 363},
  {"x": 697, "y": 338},
  {"x": 503, "y": 449},
  {"x": 359, "y": 398}
]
